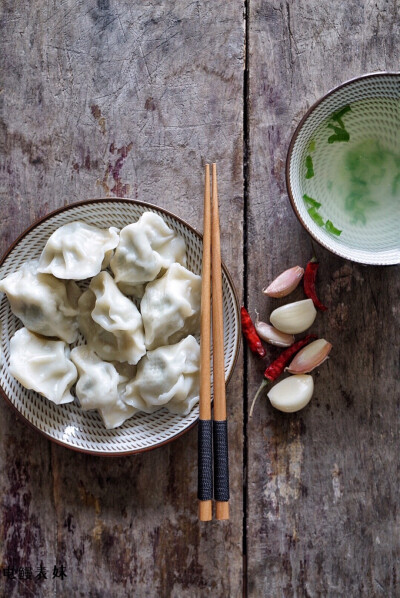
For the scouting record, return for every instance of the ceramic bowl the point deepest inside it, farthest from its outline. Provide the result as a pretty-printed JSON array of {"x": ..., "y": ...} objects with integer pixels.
[{"x": 343, "y": 170}]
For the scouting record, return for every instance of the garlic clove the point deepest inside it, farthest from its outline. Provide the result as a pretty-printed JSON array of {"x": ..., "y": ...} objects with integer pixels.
[
  {"x": 271, "y": 335},
  {"x": 310, "y": 357},
  {"x": 285, "y": 283},
  {"x": 292, "y": 394},
  {"x": 294, "y": 317}
]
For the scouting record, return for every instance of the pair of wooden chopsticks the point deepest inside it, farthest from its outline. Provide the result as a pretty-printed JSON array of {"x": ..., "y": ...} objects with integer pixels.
[{"x": 213, "y": 434}]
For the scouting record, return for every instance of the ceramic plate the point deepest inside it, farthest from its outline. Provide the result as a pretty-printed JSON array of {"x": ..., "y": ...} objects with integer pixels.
[{"x": 69, "y": 425}]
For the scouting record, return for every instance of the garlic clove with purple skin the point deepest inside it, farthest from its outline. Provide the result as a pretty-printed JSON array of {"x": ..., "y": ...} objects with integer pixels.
[
  {"x": 294, "y": 318},
  {"x": 285, "y": 283},
  {"x": 310, "y": 357},
  {"x": 292, "y": 394},
  {"x": 271, "y": 335}
]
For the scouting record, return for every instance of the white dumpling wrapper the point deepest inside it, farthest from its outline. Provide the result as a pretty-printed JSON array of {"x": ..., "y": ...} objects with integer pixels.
[
  {"x": 167, "y": 377},
  {"x": 145, "y": 248},
  {"x": 43, "y": 303},
  {"x": 100, "y": 386},
  {"x": 43, "y": 365},
  {"x": 132, "y": 290},
  {"x": 78, "y": 250},
  {"x": 170, "y": 307},
  {"x": 110, "y": 322}
]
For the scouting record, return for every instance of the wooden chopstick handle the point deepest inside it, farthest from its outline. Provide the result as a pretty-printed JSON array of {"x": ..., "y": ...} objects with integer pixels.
[
  {"x": 205, "y": 470},
  {"x": 221, "y": 469}
]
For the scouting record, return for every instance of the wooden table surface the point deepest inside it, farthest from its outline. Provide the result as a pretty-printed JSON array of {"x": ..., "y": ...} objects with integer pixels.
[{"x": 129, "y": 99}]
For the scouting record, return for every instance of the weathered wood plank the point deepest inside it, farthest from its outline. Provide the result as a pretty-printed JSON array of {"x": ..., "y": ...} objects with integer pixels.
[
  {"x": 322, "y": 484},
  {"x": 120, "y": 99},
  {"x": 128, "y": 99}
]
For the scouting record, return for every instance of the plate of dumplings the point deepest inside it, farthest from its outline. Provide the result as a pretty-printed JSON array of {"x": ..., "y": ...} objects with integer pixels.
[{"x": 100, "y": 321}]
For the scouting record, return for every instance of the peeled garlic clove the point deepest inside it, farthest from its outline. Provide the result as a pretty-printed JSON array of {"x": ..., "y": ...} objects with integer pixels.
[
  {"x": 271, "y": 335},
  {"x": 292, "y": 394},
  {"x": 285, "y": 283},
  {"x": 310, "y": 357},
  {"x": 294, "y": 317}
]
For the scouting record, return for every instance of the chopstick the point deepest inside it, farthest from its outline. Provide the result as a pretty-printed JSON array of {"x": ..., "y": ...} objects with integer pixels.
[
  {"x": 205, "y": 466},
  {"x": 209, "y": 429},
  {"x": 220, "y": 430}
]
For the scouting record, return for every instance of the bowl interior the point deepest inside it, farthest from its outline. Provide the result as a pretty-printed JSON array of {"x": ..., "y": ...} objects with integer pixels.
[
  {"x": 68, "y": 424},
  {"x": 343, "y": 170}
]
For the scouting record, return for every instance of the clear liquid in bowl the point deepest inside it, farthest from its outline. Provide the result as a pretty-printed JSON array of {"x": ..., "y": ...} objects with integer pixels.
[{"x": 352, "y": 169}]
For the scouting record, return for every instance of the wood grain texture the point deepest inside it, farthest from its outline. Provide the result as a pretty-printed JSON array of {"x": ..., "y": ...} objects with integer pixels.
[
  {"x": 322, "y": 484},
  {"x": 127, "y": 99}
]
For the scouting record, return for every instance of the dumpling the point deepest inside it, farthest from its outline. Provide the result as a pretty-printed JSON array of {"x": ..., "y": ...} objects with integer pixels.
[
  {"x": 170, "y": 307},
  {"x": 43, "y": 303},
  {"x": 100, "y": 386},
  {"x": 78, "y": 250},
  {"x": 167, "y": 377},
  {"x": 110, "y": 322},
  {"x": 145, "y": 248},
  {"x": 42, "y": 365},
  {"x": 133, "y": 290}
]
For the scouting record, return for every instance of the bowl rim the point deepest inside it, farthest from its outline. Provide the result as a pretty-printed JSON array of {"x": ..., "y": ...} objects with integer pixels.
[
  {"x": 193, "y": 230},
  {"x": 348, "y": 82}
]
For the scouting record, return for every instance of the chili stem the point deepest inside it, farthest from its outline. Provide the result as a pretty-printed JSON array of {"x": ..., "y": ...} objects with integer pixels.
[
  {"x": 314, "y": 258},
  {"x": 260, "y": 389}
]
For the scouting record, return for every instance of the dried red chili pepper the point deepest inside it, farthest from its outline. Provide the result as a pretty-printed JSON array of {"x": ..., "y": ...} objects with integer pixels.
[
  {"x": 310, "y": 275},
  {"x": 250, "y": 333},
  {"x": 275, "y": 369}
]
